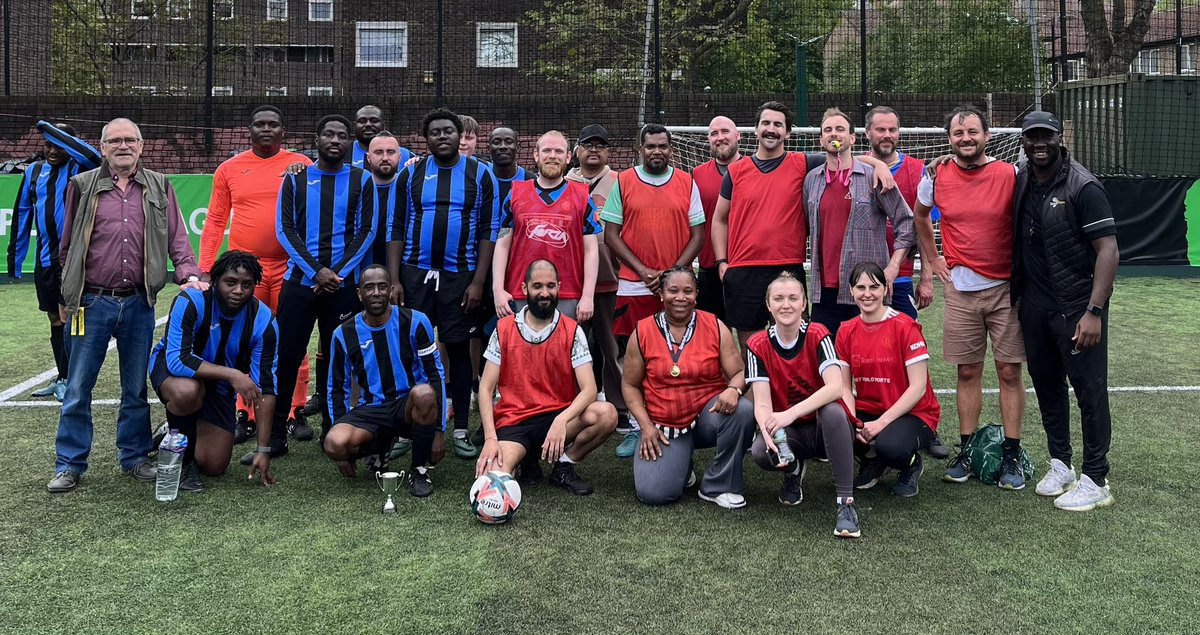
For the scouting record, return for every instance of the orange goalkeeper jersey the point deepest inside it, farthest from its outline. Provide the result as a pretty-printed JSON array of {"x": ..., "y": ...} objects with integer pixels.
[{"x": 249, "y": 186}]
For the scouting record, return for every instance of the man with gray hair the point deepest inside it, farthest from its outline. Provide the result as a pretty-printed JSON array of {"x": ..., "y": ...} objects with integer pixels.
[{"x": 121, "y": 223}]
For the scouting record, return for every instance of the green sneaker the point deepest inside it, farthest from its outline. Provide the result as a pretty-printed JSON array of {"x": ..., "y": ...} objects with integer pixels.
[
  {"x": 48, "y": 389},
  {"x": 630, "y": 445},
  {"x": 464, "y": 449},
  {"x": 399, "y": 448}
]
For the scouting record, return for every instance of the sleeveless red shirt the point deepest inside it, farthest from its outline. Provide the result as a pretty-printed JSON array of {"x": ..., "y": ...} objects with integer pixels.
[
  {"x": 655, "y": 227},
  {"x": 907, "y": 176},
  {"x": 767, "y": 222},
  {"x": 977, "y": 211},
  {"x": 551, "y": 232},
  {"x": 708, "y": 181},
  {"x": 674, "y": 402},
  {"x": 534, "y": 378},
  {"x": 791, "y": 380}
]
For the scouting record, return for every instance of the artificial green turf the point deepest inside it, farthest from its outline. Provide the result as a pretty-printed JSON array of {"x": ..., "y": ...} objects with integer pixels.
[{"x": 314, "y": 555}]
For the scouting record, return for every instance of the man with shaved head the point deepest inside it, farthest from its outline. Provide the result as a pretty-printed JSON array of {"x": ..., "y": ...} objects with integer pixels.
[
  {"x": 368, "y": 122},
  {"x": 122, "y": 223},
  {"x": 723, "y": 138}
]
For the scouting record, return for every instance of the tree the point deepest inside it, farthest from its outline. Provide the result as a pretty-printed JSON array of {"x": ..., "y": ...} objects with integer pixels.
[
  {"x": 940, "y": 46},
  {"x": 1112, "y": 48}
]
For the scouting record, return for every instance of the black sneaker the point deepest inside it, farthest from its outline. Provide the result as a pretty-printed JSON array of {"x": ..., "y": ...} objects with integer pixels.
[
  {"x": 477, "y": 437},
  {"x": 160, "y": 433},
  {"x": 278, "y": 449},
  {"x": 937, "y": 449},
  {"x": 419, "y": 482},
  {"x": 907, "y": 485},
  {"x": 847, "y": 521},
  {"x": 869, "y": 473},
  {"x": 959, "y": 469},
  {"x": 563, "y": 475},
  {"x": 530, "y": 471},
  {"x": 314, "y": 405},
  {"x": 189, "y": 480},
  {"x": 791, "y": 493},
  {"x": 243, "y": 430},
  {"x": 298, "y": 427}
]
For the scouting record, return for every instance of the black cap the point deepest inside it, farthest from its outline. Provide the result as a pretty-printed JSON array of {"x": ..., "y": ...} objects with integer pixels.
[
  {"x": 1041, "y": 119},
  {"x": 593, "y": 131}
]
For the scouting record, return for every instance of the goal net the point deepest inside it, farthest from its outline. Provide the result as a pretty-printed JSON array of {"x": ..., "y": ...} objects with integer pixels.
[{"x": 691, "y": 143}]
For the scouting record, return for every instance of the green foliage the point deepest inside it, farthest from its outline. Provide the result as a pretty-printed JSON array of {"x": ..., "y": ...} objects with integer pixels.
[
  {"x": 940, "y": 46},
  {"x": 82, "y": 57}
]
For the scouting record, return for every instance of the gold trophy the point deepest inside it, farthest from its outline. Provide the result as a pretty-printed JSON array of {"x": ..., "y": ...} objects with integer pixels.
[{"x": 389, "y": 483}]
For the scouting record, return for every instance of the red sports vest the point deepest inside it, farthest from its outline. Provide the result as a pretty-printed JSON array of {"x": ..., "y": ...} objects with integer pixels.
[
  {"x": 655, "y": 225},
  {"x": 792, "y": 380},
  {"x": 674, "y": 402},
  {"x": 534, "y": 378},
  {"x": 708, "y": 181},
  {"x": 908, "y": 176},
  {"x": 977, "y": 212},
  {"x": 547, "y": 232},
  {"x": 767, "y": 222}
]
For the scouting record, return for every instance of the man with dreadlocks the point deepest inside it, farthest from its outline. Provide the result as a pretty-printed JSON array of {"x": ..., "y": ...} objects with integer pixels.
[{"x": 219, "y": 344}]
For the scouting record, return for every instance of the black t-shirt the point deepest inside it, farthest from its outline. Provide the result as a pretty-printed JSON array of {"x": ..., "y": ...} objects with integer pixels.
[{"x": 1094, "y": 210}]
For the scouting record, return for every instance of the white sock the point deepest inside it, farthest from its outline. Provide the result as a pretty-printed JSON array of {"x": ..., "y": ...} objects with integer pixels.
[
  {"x": 565, "y": 459},
  {"x": 460, "y": 434},
  {"x": 633, "y": 424},
  {"x": 848, "y": 501}
]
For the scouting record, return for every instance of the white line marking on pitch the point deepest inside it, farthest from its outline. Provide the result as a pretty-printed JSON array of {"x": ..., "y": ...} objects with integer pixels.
[
  {"x": 945, "y": 391},
  {"x": 41, "y": 379}
]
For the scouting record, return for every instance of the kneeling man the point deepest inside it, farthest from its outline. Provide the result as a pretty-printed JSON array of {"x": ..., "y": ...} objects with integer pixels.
[
  {"x": 219, "y": 343},
  {"x": 540, "y": 361},
  {"x": 390, "y": 353}
]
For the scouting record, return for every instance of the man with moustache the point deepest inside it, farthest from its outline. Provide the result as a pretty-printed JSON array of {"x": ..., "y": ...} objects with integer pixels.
[
  {"x": 975, "y": 195},
  {"x": 325, "y": 222},
  {"x": 758, "y": 226},
  {"x": 657, "y": 223},
  {"x": 723, "y": 138},
  {"x": 248, "y": 184},
  {"x": 538, "y": 359},
  {"x": 121, "y": 223},
  {"x": 440, "y": 250},
  {"x": 847, "y": 223},
  {"x": 218, "y": 343},
  {"x": 548, "y": 218},
  {"x": 368, "y": 122},
  {"x": 1064, "y": 262},
  {"x": 390, "y": 353}
]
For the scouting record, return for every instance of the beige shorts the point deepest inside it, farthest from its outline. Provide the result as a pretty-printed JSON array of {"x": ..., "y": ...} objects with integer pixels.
[{"x": 971, "y": 317}]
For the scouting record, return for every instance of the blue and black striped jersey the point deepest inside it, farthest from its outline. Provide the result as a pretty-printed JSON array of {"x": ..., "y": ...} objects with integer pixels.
[
  {"x": 442, "y": 214},
  {"x": 326, "y": 219},
  {"x": 41, "y": 199},
  {"x": 198, "y": 331},
  {"x": 385, "y": 201},
  {"x": 386, "y": 362}
]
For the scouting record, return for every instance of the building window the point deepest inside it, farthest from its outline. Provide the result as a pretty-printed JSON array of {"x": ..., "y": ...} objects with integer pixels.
[
  {"x": 381, "y": 44},
  {"x": 145, "y": 90},
  {"x": 276, "y": 54},
  {"x": 179, "y": 9},
  {"x": 141, "y": 9},
  {"x": 496, "y": 45},
  {"x": 310, "y": 54},
  {"x": 222, "y": 91},
  {"x": 1147, "y": 61},
  {"x": 1188, "y": 61},
  {"x": 276, "y": 91},
  {"x": 320, "y": 91},
  {"x": 320, "y": 10},
  {"x": 223, "y": 9},
  {"x": 277, "y": 10}
]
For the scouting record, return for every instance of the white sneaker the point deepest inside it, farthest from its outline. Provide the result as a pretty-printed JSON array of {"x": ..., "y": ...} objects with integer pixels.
[
  {"x": 727, "y": 500},
  {"x": 1058, "y": 481},
  {"x": 1085, "y": 497}
]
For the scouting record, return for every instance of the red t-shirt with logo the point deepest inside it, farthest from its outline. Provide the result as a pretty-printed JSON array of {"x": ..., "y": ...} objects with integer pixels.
[{"x": 879, "y": 355}]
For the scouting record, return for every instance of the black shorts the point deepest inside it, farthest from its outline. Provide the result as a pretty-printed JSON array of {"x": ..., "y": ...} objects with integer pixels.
[
  {"x": 531, "y": 432},
  {"x": 746, "y": 294},
  {"x": 438, "y": 294},
  {"x": 384, "y": 421},
  {"x": 48, "y": 283},
  {"x": 711, "y": 296},
  {"x": 217, "y": 409}
]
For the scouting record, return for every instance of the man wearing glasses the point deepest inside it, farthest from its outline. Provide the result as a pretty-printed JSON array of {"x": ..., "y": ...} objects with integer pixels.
[{"x": 122, "y": 222}]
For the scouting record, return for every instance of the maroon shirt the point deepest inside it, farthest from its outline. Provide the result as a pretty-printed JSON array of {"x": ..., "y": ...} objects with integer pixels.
[{"x": 117, "y": 249}]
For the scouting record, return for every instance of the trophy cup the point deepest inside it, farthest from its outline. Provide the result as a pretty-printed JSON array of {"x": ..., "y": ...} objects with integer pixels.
[{"x": 389, "y": 483}]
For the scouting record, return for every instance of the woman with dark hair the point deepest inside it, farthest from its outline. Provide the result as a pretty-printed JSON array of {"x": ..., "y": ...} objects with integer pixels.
[
  {"x": 886, "y": 362},
  {"x": 684, "y": 381},
  {"x": 796, "y": 380}
]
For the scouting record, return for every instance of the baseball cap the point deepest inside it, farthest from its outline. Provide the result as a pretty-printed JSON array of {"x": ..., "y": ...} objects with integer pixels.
[
  {"x": 1041, "y": 119},
  {"x": 593, "y": 131}
]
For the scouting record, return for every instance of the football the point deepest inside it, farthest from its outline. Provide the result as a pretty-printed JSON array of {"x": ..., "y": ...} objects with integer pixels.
[{"x": 495, "y": 497}]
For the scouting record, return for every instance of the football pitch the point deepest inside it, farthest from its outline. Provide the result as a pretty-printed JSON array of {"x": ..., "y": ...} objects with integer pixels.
[{"x": 314, "y": 555}]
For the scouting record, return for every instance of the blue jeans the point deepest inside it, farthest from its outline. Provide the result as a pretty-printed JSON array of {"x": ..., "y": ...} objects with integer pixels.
[
  {"x": 902, "y": 297},
  {"x": 131, "y": 321}
]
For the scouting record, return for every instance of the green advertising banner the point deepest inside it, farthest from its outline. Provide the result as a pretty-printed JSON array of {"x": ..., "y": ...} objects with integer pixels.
[{"x": 191, "y": 190}]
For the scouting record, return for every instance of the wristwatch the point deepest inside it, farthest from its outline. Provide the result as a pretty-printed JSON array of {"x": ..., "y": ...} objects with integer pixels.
[
  {"x": 263, "y": 449},
  {"x": 1096, "y": 310},
  {"x": 193, "y": 278}
]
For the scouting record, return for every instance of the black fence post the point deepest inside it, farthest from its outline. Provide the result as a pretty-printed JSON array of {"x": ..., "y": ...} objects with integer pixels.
[
  {"x": 440, "y": 70},
  {"x": 658, "y": 112},
  {"x": 864, "y": 102},
  {"x": 210, "y": 54},
  {"x": 7, "y": 50}
]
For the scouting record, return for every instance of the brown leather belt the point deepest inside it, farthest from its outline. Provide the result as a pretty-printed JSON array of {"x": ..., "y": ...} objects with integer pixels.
[{"x": 115, "y": 293}]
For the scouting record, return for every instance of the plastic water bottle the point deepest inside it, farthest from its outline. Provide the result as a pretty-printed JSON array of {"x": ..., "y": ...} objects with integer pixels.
[
  {"x": 785, "y": 451},
  {"x": 170, "y": 465}
]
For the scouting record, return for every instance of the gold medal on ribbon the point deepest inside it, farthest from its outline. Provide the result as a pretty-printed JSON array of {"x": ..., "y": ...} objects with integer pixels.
[{"x": 675, "y": 370}]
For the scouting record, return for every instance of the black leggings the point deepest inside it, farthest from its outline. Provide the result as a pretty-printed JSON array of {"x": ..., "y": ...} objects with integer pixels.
[{"x": 898, "y": 442}]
